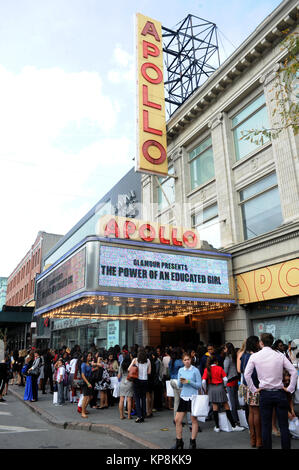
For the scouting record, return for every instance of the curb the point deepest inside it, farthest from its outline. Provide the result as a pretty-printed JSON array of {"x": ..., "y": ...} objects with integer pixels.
[{"x": 112, "y": 430}]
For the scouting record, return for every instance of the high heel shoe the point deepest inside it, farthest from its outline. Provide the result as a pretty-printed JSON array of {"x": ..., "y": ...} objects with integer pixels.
[{"x": 179, "y": 444}]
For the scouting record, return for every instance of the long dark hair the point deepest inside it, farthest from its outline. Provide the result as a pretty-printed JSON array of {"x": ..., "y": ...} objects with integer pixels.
[
  {"x": 141, "y": 356},
  {"x": 231, "y": 351},
  {"x": 210, "y": 361},
  {"x": 252, "y": 344},
  {"x": 126, "y": 362}
]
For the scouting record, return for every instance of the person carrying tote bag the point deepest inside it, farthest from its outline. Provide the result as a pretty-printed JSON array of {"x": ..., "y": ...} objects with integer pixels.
[
  {"x": 189, "y": 381},
  {"x": 214, "y": 375}
]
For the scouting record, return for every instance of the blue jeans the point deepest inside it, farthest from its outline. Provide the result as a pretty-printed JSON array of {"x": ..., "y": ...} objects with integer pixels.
[
  {"x": 277, "y": 400},
  {"x": 60, "y": 393}
]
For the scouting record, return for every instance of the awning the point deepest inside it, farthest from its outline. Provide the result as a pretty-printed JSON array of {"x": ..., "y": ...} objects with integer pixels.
[
  {"x": 12, "y": 316},
  {"x": 122, "y": 307}
]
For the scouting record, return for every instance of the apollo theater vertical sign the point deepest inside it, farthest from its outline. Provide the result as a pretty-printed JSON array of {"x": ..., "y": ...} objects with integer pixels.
[{"x": 151, "y": 122}]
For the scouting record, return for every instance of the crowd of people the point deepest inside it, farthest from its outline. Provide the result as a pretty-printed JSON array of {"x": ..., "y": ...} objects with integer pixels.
[{"x": 258, "y": 380}]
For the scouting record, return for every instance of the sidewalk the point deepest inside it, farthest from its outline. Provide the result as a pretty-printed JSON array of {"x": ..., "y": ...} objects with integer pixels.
[{"x": 157, "y": 432}]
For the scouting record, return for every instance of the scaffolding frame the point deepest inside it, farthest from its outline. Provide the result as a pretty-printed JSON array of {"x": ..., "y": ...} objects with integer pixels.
[{"x": 189, "y": 55}]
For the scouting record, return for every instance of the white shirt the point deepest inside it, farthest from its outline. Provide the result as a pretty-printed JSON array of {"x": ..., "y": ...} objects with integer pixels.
[
  {"x": 61, "y": 372},
  {"x": 142, "y": 370},
  {"x": 269, "y": 365},
  {"x": 165, "y": 362},
  {"x": 73, "y": 365}
]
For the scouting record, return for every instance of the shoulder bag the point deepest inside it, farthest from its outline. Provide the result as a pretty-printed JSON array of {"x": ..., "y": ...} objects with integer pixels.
[{"x": 133, "y": 373}]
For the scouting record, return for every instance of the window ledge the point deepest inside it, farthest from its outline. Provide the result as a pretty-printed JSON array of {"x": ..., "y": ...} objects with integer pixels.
[
  {"x": 251, "y": 154},
  {"x": 199, "y": 188}
]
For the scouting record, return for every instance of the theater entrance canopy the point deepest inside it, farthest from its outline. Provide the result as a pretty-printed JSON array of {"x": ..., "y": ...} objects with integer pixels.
[{"x": 139, "y": 271}]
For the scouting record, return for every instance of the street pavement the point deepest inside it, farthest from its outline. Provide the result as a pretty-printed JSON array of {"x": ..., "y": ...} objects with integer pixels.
[{"x": 157, "y": 432}]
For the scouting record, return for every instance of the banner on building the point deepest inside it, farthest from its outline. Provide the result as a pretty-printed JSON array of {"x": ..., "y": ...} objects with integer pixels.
[
  {"x": 151, "y": 121},
  {"x": 271, "y": 282}
]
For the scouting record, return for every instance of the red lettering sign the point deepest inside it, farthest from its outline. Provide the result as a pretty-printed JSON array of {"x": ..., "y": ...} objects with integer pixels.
[
  {"x": 149, "y": 65},
  {"x": 162, "y": 238},
  {"x": 112, "y": 229},
  {"x": 148, "y": 228},
  {"x": 146, "y": 101},
  {"x": 149, "y": 28},
  {"x": 129, "y": 228},
  {"x": 186, "y": 239},
  {"x": 146, "y": 127},
  {"x": 150, "y": 49},
  {"x": 153, "y": 143}
]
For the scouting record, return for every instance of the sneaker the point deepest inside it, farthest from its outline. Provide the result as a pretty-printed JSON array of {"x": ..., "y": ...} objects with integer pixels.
[
  {"x": 238, "y": 428},
  {"x": 216, "y": 429}
]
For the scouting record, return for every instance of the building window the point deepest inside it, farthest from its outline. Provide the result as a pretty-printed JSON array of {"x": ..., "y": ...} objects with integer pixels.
[
  {"x": 207, "y": 224},
  {"x": 201, "y": 163},
  {"x": 260, "y": 204},
  {"x": 254, "y": 116},
  {"x": 167, "y": 196}
]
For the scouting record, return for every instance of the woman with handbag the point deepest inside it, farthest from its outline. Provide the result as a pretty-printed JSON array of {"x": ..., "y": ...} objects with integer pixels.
[
  {"x": 189, "y": 382},
  {"x": 140, "y": 385}
]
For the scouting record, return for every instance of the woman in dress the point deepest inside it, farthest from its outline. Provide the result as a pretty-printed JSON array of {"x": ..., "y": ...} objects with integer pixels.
[
  {"x": 28, "y": 395},
  {"x": 126, "y": 388},
  {"x": 104, "y": 383}
]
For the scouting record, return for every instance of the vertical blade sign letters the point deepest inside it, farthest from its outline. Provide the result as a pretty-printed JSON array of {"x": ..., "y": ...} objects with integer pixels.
[{"x": 151, "y": 123}]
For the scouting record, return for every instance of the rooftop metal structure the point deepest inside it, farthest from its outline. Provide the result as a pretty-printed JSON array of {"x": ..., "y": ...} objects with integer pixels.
[{"x": 191, "y": 55}]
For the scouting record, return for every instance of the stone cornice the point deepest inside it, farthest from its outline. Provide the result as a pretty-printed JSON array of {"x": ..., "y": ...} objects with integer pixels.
[
  {"x": 283, "y": 233},
  {"x": 261, "y": 40}
]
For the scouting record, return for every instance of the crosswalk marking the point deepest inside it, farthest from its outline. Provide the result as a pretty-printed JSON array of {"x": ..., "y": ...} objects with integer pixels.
[
  {"x": 5, "y": 413},
  {"x": 12, "y": 429}
]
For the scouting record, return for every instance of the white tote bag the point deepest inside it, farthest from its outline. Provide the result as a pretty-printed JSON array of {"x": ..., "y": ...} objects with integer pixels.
[
  {"x": 224, "y": 423},
  {"x": 294, "y": 427},
  {"x": 115, "y": 393},
  {"x": 80, "y": 401},
  {"x": 169, "y": 389},
  {"x": 55, "y": 398},
  {"x": 242, "y": 418},
  {"x": 200, "y": 405}
]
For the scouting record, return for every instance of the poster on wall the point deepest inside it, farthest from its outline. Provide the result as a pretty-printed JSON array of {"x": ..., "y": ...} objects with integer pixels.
[
  {"x": 140, "y": 269},
  {"x": 112, "y": 333},
  {"x": 65, "y": 279}
]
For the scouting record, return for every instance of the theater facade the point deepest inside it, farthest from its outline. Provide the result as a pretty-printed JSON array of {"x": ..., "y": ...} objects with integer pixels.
[{"x": 161, "y": 276}]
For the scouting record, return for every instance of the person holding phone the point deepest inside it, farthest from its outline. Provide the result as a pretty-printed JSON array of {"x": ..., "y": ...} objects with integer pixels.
[{"x": 189, "y": 381}]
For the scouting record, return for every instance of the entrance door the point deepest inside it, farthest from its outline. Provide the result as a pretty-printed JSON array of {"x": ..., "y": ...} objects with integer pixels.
[
  {"x": 182, "y": 338},
  {"x": 216, "y": 331}
]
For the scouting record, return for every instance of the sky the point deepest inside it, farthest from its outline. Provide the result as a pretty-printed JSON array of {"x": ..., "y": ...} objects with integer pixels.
[{"x": 67, "y": 103}]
